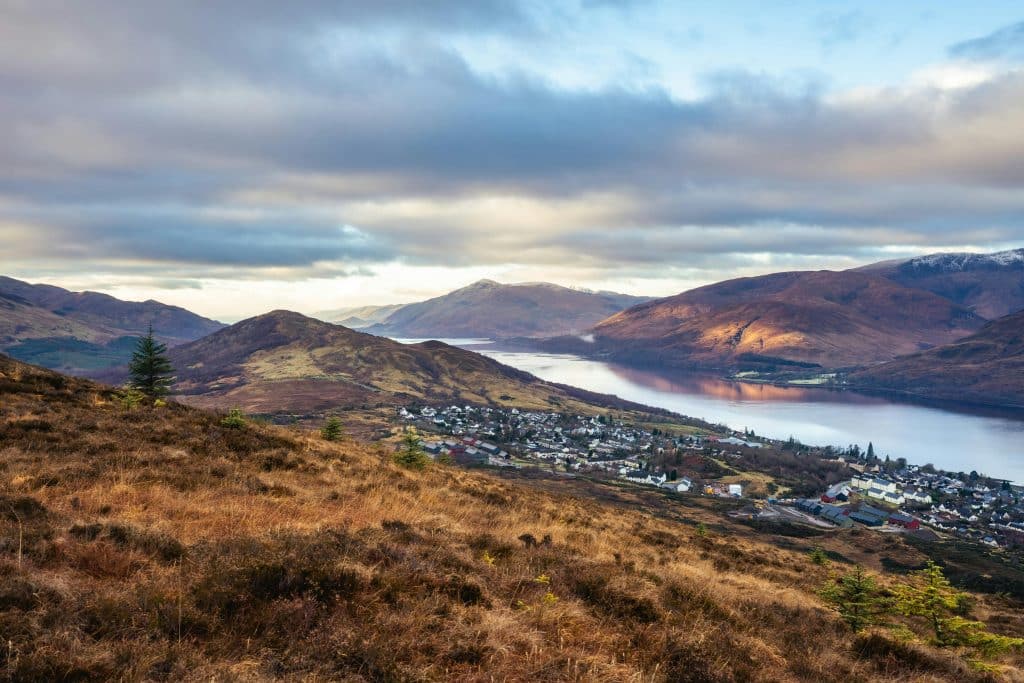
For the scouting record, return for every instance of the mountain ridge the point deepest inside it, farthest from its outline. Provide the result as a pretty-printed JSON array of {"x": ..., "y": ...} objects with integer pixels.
[
  {"x": 817, "y": 318},
  {"x": 85, "y": 332},
  {"x": 985, "y": 367},
  {"x": 490, "y": 309},
  {"x": 283, "y": 361},
  {"x": 990, "y": 284}
]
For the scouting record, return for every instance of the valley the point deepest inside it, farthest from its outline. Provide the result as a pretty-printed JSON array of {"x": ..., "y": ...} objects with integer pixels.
[
  {"x": 144, "y": 531},
  {"x": 500, "y": 342}
]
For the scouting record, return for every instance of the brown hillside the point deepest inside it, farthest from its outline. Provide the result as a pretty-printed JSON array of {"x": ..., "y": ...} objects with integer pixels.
[
  {"x": 287, "y": 362},
  {"x": 831, "y": 319},
  {"x": 20, "y": 320},
  {"x": 986, "y": 367},
  {"x": 85, "y": 332},
  {"x": 157, "y": 544},
  {"x": 113, "y": 317}
]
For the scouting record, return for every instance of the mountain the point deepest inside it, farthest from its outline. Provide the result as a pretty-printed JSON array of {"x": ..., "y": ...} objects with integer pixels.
[
  {"x": 85, "y": 331},
  {"x": 814, "y": 318},
  {"x": 359, "y": 316},
  {"x": 986, "y": 367},
  {"x": 172, "y": 324},
  {"x": 287, "y": 362},
  {"x": 493, "y": 310},
  {"x": 20, "y": 319},
  {"x": 991, "y": 285},
  {"x": 159, "y": 544}
]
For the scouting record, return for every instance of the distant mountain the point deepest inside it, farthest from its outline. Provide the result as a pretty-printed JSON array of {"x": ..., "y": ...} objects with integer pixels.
[
  {"x": 991, "y": 285},
  {"x": 82, "y": 332},
  {"x": 287, "y": 362},
  {"x": 814, "y": 318},
  {"x": 986, "y": 367},
  {"x": 359, "y": 316},
  {"x": 493, "y": 310}
]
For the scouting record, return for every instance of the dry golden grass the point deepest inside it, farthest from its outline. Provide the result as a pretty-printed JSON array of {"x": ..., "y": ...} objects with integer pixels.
[{"x": 158, "y": 545}]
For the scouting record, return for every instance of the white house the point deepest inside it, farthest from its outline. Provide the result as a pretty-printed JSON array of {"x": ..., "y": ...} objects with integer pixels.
[
  {"x": 648, "y": 479},
  {"x": 917, "y": 496},
  {"x": 682, "y": 485},
  {"x": 861, "y": 482}
]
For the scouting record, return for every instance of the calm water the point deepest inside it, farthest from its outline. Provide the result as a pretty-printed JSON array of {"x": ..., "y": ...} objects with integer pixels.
[{"x": 991, "y": 442}]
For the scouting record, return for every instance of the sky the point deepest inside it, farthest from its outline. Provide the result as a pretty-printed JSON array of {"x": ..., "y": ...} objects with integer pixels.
[{"x": 236, "y": 157}]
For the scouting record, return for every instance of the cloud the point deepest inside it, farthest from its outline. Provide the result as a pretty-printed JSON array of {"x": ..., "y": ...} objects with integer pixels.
[
  {"x": 1005, "y": 43},
  {"x": 255, "y": 140},
  {"x": 186, "y": 237}
]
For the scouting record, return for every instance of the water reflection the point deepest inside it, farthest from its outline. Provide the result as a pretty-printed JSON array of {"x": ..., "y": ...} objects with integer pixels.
[
  {"x": 952, "y": 436},
  {"x": 717, "y": 387}
]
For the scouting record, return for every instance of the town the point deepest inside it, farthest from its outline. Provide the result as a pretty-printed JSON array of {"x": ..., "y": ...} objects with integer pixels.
[{"x": 861, "y": 489}]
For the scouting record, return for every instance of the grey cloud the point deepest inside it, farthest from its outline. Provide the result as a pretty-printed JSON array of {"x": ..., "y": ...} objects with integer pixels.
[
  {"x": 170, "y": 237},
  {"x": 220, "y": 109}
]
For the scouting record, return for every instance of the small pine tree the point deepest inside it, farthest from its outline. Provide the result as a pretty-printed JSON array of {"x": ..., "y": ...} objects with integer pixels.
[
  {"x": 818, "y": 556},
  {"x": 871, "y": 451},
  {"x": 855, "y": 596},
  {"x": 150, "y": 371},
  {"x": 130, "y": 398},
  {"x": 234, "y": 419},
  {"x": 410, "y": 454},
  {"x": 931, "y": 596},
  {"x": 332, "y": 429}
]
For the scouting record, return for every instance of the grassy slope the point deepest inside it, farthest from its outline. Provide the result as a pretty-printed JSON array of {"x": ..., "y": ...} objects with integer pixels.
[{"x": 159, "y": 545}]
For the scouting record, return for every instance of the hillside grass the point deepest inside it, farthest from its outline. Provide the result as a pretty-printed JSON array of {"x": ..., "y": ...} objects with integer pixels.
[{"x": 157, "y": 544}]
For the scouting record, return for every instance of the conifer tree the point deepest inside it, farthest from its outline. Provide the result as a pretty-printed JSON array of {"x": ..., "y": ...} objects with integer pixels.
[
  {"x": 150, "y": 371},
  {"x": 856, "y": 597},
  {"x": 410, "y": 453},
  {"x": 332, "y": 429},
  {"x": 932, "y": 597}
]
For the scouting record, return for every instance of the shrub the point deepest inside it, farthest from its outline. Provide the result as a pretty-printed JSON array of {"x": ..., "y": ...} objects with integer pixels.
[
  {"x": 234, "y": 419},
  {"x": 855, "y": 596},
  {"x": 130, "y": 398},
  {"x": 332, "y": 429},
  {"x": 410, "y": 454}
]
